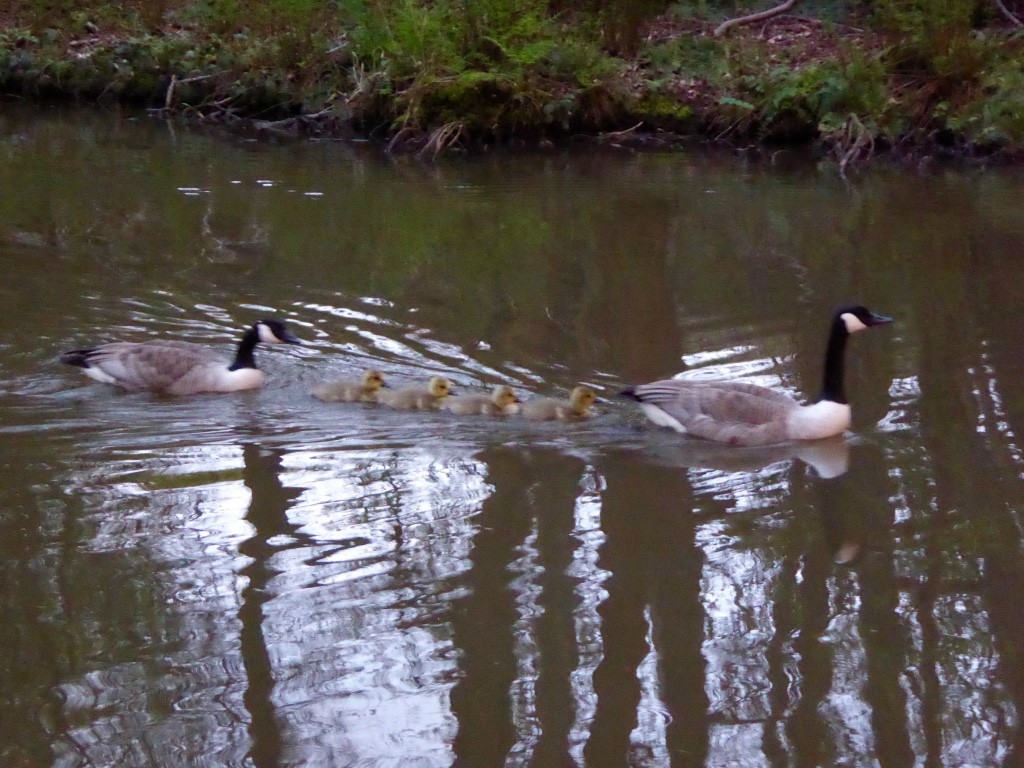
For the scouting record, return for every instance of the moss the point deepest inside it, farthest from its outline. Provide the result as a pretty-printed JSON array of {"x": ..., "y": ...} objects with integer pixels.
[{"x": 661, "y": 111}]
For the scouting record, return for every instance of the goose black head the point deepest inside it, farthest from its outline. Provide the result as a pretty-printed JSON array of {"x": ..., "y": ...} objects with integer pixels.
[
  {"x": 858, "y": 317},
  {"x": 274, "y": 332}
]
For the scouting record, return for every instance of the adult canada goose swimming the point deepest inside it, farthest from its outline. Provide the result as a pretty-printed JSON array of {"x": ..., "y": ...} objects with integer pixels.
[
  {"x": 364, "y": 391},
  {"x": 417, "y": 398},
  {"x": 740, "y": 413},
  {"x": 548, "y": 408},
  {"x": 179, "y": 367},
  {"x": 501, "y": 402}
]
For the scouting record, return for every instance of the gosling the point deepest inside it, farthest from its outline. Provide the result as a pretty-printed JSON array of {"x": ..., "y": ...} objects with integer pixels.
[
  {"x": 365, "y": 390},
  {"x": 578, "y": 406},
  {"x": 501, "y": 402},
  {"x": 417, "y": 398}
]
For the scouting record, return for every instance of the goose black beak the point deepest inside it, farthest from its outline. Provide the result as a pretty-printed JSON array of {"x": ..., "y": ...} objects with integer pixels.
[
  {"x": 288, "y": 338},
  {"x": 877, "y": 319}
]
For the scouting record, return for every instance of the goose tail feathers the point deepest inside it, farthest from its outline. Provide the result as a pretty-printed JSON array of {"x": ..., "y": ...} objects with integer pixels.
[{"x": 77, "y": 357}]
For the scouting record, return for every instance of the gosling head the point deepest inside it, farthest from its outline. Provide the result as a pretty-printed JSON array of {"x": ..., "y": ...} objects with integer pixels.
[
  {"x": 582, "y": 398},
  {"x": 273, "y": 332},
  {"x": 439, "y": 387},
  {"x": 504, "y": 396},
  {"x": 857, "y": 318},
  {"x": 373, "y": 380}
]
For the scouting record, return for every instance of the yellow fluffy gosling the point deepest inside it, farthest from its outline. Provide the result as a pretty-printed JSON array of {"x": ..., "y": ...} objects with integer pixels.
[
  {"x": 501, "y": 402},
  {"x": 577, "y": 406},
  {"x": 344, "y": 391},
  {"x": 417, "y": 398}
]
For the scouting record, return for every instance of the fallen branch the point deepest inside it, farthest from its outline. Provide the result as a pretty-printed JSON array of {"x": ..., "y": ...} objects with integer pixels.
[{"x": 752, "y": 18}]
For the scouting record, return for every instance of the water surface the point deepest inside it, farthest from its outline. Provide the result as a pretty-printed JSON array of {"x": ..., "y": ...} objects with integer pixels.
[{"x": 262, "y": 579}]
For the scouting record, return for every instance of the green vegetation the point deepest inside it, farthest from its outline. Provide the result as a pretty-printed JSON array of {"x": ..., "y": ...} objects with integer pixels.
[{"x": 854, "y": 77}]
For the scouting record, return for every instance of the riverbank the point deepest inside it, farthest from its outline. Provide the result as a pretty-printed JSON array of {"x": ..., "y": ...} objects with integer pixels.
[{"x": 904, "y": 81}]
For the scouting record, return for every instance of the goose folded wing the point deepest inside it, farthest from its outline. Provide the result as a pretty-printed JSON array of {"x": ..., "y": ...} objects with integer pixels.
[
  {"x": 737, "y": 413},
  {"x": 154, "y": 366}
]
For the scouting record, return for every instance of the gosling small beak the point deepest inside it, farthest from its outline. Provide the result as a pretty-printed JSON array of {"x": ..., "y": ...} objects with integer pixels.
[{"x": 879, "y": 319}]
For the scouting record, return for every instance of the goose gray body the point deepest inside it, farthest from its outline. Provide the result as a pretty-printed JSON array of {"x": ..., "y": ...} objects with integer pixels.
[
  {"x": 178, "y": 367},
  {"x": 366, "y": 390},
  {"x": 744, "y": 414},
  {"x": 501, "y": 402}
]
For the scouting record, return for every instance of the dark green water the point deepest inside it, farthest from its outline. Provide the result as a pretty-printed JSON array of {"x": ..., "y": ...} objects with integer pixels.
[{"x": 262, "y": 579}]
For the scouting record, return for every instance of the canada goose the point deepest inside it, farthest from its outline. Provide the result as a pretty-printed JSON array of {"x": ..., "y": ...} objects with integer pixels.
[
  {"x": 417, "y": 398},
  {"x": 501, "y": 402},
  {"x": 179, "y": 367},
  {"x": 365, "y": 390},
  {"x": 548, "y": 408},
  {"x": 740, "y": 413}
]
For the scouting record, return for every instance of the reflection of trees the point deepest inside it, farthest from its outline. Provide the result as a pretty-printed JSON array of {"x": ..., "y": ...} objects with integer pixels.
[
  {"x": 33, "y": 634},
  {"x": 267, "y": 514},
  {"x": 532, "y": 491},
  {"x": 970, "y": 439},
  {"x": 653, "y": 564}
]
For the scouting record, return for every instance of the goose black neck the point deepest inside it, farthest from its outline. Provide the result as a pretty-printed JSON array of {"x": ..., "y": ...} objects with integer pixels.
[
  {"x": 832, "y": 389},
  {"x": 245, "y": 357}
]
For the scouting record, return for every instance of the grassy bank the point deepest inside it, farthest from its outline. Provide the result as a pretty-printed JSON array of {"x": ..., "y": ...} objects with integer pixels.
[{"x": 918, "y": 77}]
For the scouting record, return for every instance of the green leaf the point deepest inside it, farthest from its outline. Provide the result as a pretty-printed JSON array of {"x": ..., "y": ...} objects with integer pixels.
[{"x": 730, "y": 101}]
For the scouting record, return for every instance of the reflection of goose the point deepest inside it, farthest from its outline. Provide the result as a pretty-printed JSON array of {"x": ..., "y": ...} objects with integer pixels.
[
  {"x": 740, "y": 413},
  {"x": 548, "y": 408},
  {"x": 829, "y": 457},
  {"x": 365, "y": 390},
  {"x": 501, "y": 402},
  {"x": 419, "y": 398},
  {"x": 179, "y": 367}
]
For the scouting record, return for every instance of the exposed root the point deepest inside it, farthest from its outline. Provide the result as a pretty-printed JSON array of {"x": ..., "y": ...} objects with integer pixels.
[
  {"x": 405, "y": 134},
  {"x": 444, "y": 138},
  {"x": 855, "y": 144}
]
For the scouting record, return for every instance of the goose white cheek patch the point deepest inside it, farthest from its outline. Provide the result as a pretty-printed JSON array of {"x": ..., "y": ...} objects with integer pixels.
[
  {"x": 852, "y": 322},
  {"x": 266, "y": 335}
]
